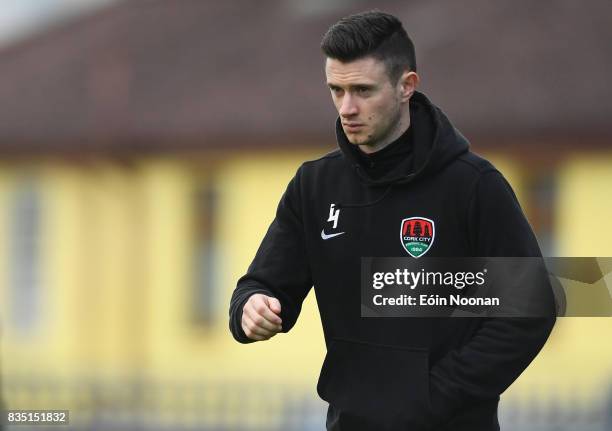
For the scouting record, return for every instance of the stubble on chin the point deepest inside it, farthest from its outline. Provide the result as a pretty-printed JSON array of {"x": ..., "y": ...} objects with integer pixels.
[
  {"x": 362, "y": 137},
  {"x": 361, "y": 140}
]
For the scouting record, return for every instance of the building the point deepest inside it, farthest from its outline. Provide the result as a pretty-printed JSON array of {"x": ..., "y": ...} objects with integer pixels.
[{"x": 143, "y": 150}]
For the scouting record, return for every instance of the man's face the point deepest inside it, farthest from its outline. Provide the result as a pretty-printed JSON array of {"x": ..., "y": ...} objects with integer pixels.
[{"x": 368, "y": 103}]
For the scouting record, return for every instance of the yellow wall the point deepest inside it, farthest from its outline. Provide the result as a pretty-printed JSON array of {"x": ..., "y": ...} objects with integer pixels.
[
  {"x": 584, "y": 207},
  {"x": 89, "y": 271},
  {"x": 249, "y": 188},
  {"x": 253, "y": 186},
  {"x": 577, "y": 360},
  {"x": 117, "y": 253}
]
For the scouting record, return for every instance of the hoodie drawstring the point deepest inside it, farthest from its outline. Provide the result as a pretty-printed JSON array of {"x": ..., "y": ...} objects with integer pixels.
[{"x": 366, "y": 204}]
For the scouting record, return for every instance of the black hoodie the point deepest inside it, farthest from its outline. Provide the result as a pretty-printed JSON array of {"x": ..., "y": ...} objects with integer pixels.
[{"x": 398, "y": 373}]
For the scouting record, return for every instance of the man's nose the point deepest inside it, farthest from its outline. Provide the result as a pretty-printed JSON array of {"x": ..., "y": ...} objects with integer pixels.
[{"x": 348, "y": 107}]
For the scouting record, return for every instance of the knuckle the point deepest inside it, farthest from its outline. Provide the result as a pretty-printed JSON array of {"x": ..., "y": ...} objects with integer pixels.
[
  {"x": 247, "y": 308},
  {"x": 250, "y": 303}
]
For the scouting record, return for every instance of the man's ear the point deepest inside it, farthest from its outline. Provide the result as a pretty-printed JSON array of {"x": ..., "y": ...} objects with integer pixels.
[{"x": 408, "y": 83}]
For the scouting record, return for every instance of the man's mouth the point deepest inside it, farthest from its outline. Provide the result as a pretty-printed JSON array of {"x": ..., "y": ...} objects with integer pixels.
[{"x": 352, "y": 127}]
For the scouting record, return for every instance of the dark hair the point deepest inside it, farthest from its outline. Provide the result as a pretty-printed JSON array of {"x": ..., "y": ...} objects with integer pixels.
[{"x": 373, "y": 33}]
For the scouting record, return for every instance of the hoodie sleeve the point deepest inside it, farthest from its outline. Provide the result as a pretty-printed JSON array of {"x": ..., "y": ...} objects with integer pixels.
[
  {"x": 280, "y": 268},
  {"x": 502, "y": 348}
]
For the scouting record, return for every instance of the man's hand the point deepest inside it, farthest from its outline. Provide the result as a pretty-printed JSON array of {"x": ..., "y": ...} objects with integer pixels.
[{"x": 261, "y": 317}]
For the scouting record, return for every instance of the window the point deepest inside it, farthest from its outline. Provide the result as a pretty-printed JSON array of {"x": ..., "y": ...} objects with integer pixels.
[
  {"x": 206, "y": 263},
  {"x": 24, "y": 256},
  {"x": 542, "y": 190}
]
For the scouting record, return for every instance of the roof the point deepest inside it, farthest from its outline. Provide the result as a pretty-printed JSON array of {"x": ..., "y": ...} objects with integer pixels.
[{"x": 203, "y": 72}]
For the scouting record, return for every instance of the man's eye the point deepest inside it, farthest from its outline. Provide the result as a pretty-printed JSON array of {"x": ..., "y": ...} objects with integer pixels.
[{"x": 362, "y": 90}]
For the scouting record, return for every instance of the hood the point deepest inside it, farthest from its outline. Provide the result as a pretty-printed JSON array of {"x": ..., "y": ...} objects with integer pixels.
[{"x": 436, "y": 143}]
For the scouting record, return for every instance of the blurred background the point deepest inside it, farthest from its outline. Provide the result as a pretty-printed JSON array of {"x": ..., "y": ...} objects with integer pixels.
[{"x": 144, "y": 145}]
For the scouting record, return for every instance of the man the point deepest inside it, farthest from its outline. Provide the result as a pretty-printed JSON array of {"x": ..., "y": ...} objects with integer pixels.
[{"x": 399, "y": 157}]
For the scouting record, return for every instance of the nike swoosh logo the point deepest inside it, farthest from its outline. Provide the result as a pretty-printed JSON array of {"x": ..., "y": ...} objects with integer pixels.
[{"x": 331, "y": 235}]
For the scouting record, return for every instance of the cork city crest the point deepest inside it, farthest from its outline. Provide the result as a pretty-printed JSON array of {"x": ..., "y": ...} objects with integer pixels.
[{"x": 417, "y": 235}]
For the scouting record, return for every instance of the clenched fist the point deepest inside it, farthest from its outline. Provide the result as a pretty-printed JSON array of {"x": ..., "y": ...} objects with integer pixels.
[{"x": 261, "y": 317}]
